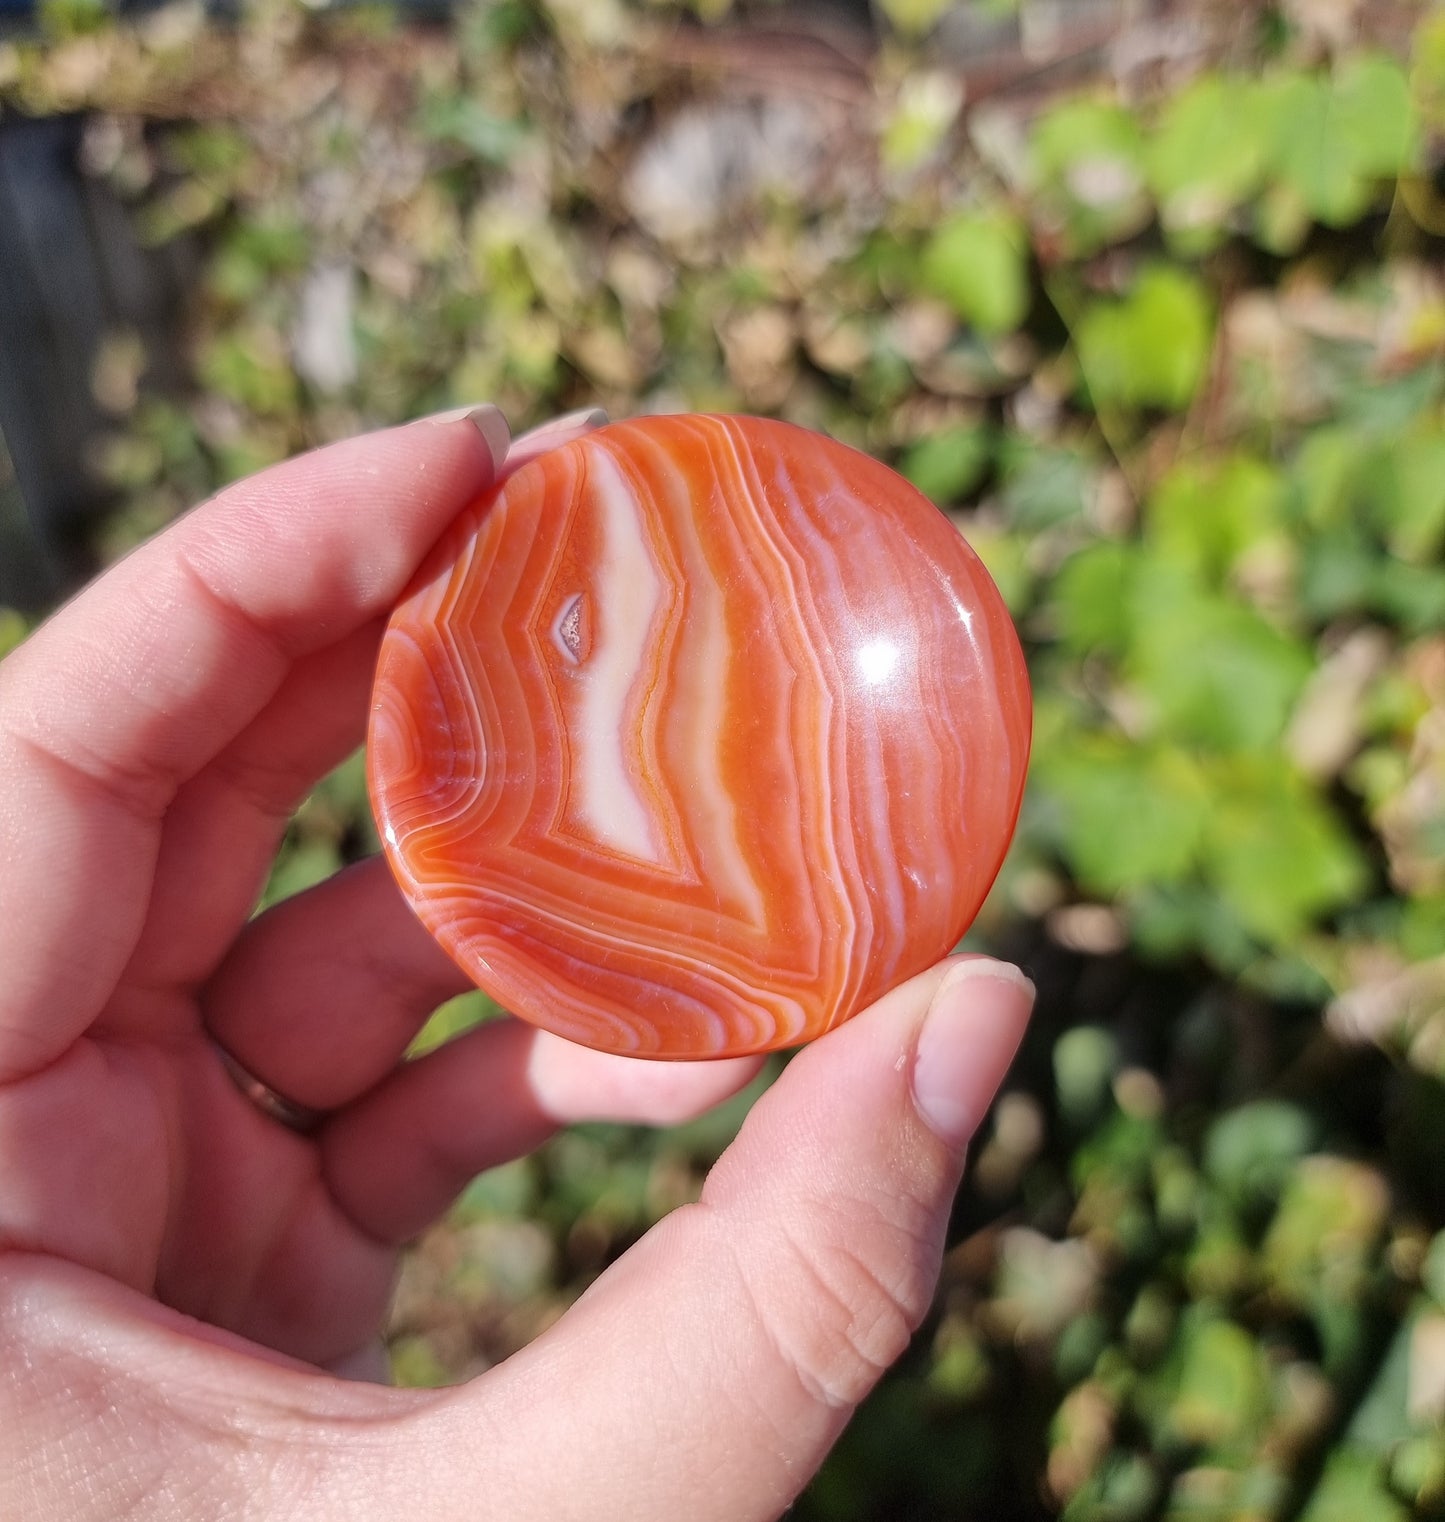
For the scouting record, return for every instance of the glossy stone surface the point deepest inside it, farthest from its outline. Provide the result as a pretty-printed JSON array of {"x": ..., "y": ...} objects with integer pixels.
[{"x": 697, "y": 735}]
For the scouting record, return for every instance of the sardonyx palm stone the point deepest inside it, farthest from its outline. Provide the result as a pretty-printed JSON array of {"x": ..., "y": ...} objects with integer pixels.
[{"x": 698, "y": 734}]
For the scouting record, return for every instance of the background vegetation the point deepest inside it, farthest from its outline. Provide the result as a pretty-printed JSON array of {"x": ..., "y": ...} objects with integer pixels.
[{"x": 1162, "y": 325}]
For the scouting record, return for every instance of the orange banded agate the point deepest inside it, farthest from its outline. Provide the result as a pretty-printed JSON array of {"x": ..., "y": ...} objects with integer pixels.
[{"x": 696, "y": 735}]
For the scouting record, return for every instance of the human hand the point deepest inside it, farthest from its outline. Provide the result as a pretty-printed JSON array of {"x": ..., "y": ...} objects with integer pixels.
[{"x": 178, "y": 1269}]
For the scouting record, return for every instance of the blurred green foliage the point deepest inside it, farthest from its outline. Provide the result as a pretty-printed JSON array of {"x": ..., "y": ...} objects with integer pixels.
[{"x": 1169, "y": 345}]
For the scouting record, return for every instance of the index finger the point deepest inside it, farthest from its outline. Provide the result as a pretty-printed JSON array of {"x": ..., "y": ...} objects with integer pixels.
[{"x": 135, "y": 685}]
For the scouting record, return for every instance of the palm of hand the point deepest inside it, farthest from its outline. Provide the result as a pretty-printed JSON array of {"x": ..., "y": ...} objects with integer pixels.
[{"x": 176, "y": 1186}]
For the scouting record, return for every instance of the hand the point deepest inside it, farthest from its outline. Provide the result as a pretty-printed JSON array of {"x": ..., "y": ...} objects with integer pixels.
[{"x": 178, "y": 1269}]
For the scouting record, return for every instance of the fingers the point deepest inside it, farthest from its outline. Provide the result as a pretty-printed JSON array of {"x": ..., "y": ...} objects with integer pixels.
[
  {"x": 149, "y": 674},
  {"x": 235, "y": 810},
  {"x": 741, "y": 1333},
  {"x": 396, "y": 1159},
  {"x": 322, "y": 993}
]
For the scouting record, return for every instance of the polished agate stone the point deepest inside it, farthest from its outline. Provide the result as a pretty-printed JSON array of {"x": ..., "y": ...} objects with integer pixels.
[{"x": 696, "y": 735}]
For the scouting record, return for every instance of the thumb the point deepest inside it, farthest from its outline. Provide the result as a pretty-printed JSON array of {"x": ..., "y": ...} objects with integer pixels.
[{"x": 709, "y": 1371}]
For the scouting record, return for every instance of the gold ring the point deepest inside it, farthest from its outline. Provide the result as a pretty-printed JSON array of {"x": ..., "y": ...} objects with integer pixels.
[{"x": 295, "y": 1117}]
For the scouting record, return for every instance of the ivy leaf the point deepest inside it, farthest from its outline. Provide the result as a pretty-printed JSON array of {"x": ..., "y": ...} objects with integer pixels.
[
  {"x": 1205, "y": 515},
  {"x": 1217, "y": 673},
  {"x": 1277, "y": 852},
  {"x": 1088, "y": 166},
  {"x": 978, "y": 263},
  {"x": 947, "y": 465},
  {"x": 1206, "y": 157},
  {"x": 1151, "y": 348},
  {"x": 1127, "y": 817},
  {"x": 1376, "y": 115},
  {"x": 1091, "y": 598},
  {"x": 1221, "y": 1395}
]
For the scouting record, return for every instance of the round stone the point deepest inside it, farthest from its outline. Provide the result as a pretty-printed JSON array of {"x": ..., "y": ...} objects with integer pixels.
[{"x": 696, "y": 735}]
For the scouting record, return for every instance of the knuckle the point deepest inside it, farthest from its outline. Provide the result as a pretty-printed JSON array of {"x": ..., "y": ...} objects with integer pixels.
[{"x": 844, "y": 1302}]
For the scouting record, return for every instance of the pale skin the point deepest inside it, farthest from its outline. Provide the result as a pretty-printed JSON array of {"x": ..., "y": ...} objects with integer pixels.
[{"x": 191, "y": 1294}]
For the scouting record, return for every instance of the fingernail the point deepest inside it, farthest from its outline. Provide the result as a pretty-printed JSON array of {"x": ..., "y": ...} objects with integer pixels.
[
  {"x": 968, "y": 1040},
  {"x": 584, "y": 417},
  {"x": 582, "y": 420},
  {"x": 546, "y": 436},
  {"x": 488, "y": 421}
]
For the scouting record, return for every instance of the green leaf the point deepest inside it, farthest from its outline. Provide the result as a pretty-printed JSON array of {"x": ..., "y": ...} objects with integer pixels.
[
  {"x": 251, "y": 368},
  {"x": 926, "y": 108},
  {"x": 1217, "y": 673},
  {"x": 300, "y": 867},
  {"x": 978, "y": 263},
  {"x": 1088, "y": 164},
  {"x": 13, "y": 629},
  {"x": 1092, "y": 595},
  {"x": 1406, "y": 490},
  {"x": 1352, "y": 1489},
  {"x": 465, "y": 122},
  {"x": 1412, "y": 595},
  {"x": 1278, "y": 853},
  {"x": 947, "y": 465},
  {"x": 1250, "y": 1151},
  {"x": 1005, "y": 557},
  {"x": 1206, "y": 513},
  {"x": 1327, "y": 471},
  {"x": 1221, "y": 1394},
  {"x": 914, "y": 18},
  {"x": 454, "y": 1018},
  {"x": 1188, "y": 919},
  {"x": 1427, "y": 72},
  {"x": 1085, "y": 1061},
  {"x": 1151, "y": 348},
  {"x": 1206, "y": 157},
  {"x": 1382, "y": 1417},
  {"x": 1313, "y": 152},
  {"x": 1043, "y": 485},
  {"x": 1376, "y": 116},
  {"x": 1338, "y": 573},
  {"x": 1127, "y": 817}
]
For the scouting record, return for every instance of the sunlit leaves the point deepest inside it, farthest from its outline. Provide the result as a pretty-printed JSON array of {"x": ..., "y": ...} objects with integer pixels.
[
  {"x": 1277, "y": 853},
  {"x": 1126, "y": 816},
  {"x": 945, "y": 466},
  {"x": 1150, "y": 348},
  {"x": 1088, "y": 173},
  {"x": 1220, "y": 1394},
  {"x": 1216, "y": 673},
  {"x": 1207, "y": 156},
  {"x": 1206, "y": 515},
  {"x": 978, "y": 263}
]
